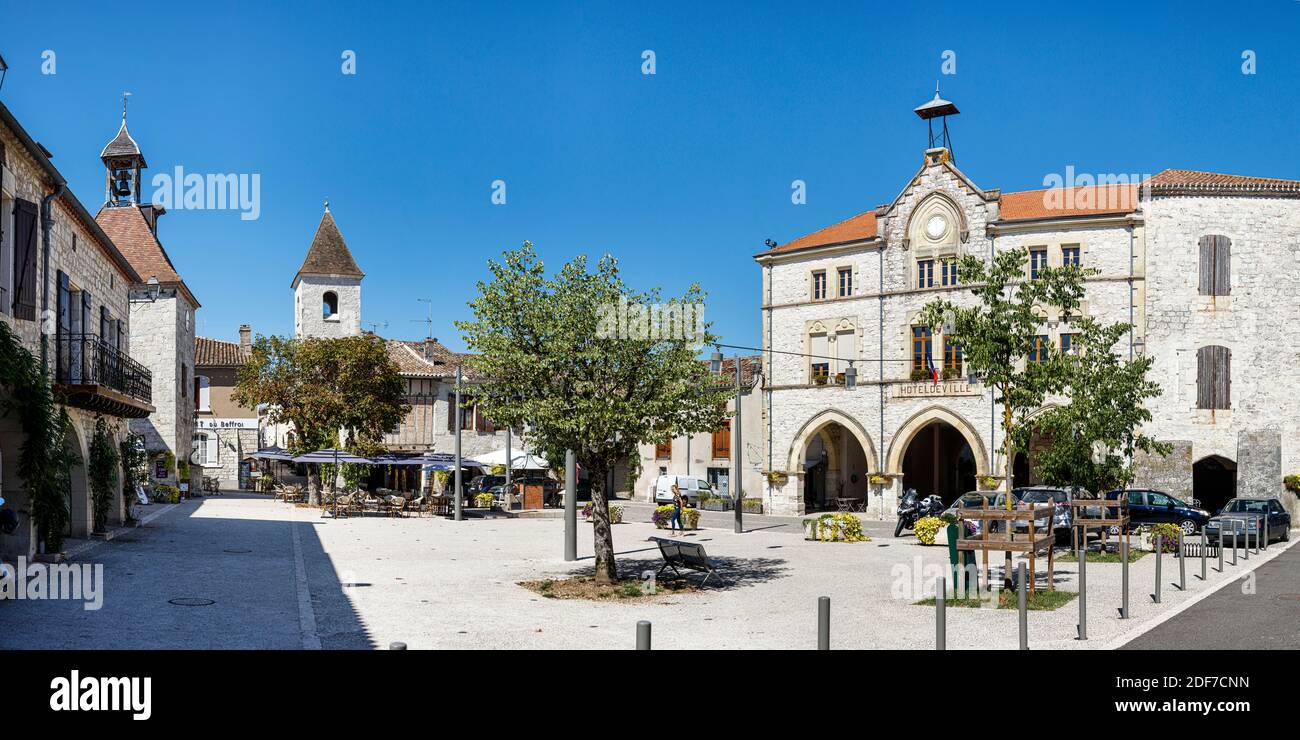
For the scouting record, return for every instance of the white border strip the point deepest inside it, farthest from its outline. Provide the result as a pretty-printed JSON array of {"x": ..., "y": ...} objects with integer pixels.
[{"x": 306, "y": 614}]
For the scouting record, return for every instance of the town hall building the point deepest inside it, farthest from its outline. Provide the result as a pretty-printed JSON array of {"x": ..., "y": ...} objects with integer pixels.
[{"x": 1201, "y": 265}]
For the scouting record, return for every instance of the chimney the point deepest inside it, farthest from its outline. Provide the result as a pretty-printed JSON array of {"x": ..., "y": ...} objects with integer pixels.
[
  {"x": 245, "y": 336},
  {"x": 428, "y": 348}
]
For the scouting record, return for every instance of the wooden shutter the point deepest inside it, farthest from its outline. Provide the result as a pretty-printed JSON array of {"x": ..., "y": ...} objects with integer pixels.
[
  {"x": 451, "y": 411},
  {"x": 722, "y": 442},
  {"x": 1215, "y": 265},
  {"x": 664, "y": 451},
  {"x": 25, "y": 260},
  {"x": 1213, "y": 378}
]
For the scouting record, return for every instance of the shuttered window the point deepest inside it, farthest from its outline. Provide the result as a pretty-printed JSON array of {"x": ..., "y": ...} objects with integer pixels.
[
  {"x": 25, "y": 260},
  {"x": 1213, "y": 377},
  {"x": 722, "y": 441},
  {"x": 1216, "y": 260}
]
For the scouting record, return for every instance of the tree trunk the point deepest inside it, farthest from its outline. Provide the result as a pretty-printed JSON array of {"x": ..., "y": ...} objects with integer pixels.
[
  {"x": 1008, "y": 463},
  {"x": 606, "y": 568},
  {"x": 313, "y": 484}
]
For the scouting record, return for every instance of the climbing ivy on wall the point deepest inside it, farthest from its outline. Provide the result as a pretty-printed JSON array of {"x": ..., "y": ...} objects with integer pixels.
[
  {"x": 102, "y": 472},
  {"x": 43, "y": 460}
]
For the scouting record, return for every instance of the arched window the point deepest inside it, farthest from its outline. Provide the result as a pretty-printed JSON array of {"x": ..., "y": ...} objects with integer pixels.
[{"x": 330, "y": 305}]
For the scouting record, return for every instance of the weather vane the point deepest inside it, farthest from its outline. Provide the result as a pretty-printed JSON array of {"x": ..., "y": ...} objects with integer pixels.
[{"x": 125, "y": 94}]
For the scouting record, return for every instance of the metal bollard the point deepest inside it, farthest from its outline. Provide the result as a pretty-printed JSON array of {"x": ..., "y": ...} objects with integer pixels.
[
  {"x": 1023, "y": 597},
  {"x": 940, "y": 617},
  {"x": 1221, "y": 545},
  {"x": 1245, "y": 526},
  {"x": 1123, "y": 560},
  {"x": 1204, "y": 543},
  {"x": 1182, "y": 564},
  {"x": 1235, "y": 538},
  {"x": 643, "y": 635},
  {"x": 396, "y": 646},
  {"x": 823, "y": 623},
  {"x": 1265, "y": 527},
  {"x": 1160, "y": 551},
  {"x": 1083, "y": 592}
]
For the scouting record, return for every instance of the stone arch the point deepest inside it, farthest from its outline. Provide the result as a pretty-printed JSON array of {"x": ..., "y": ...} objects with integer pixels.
[
  {"x": 80, "y": 512},
  {"x": 817, "y": 425},
  {"x": 933, "y": 203},
  {"x": 918, "y": 421}
]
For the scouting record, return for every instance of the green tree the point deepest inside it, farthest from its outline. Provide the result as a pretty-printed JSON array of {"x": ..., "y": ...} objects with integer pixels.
[
  {"x": 574, "y": 357},
  {"x": 322, "y": 387},
  {"x": 102, "y": 472},
  {"x": 135, "y": 470},
  {"x": 1093, "y": 435},
  {"x": 998, "y": 332}
]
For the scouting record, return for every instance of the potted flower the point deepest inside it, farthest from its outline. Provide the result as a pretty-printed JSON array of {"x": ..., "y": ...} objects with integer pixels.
[
  {"x": 777, "y": 477},
  {"x": 878, "y": 479},
  {"x": 484, "y": 500},
  {"x": 989, "y": 482},
  {"x": 1292, "y": 482}
]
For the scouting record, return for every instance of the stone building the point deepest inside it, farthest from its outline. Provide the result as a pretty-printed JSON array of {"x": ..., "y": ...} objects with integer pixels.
[
  {"x": 710, "y": 455},
  {"x": 64, "y": 287},
  {"x": 225, "y": 433},
  {"x": 162, "y": 311},
  {"x": 1198, "y": 263},
  {"x": 327, "y": 288}
]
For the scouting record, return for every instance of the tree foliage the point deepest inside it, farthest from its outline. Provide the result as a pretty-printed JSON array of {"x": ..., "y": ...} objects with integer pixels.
[
  {"x": 547, "y": 359},
  {"x": 322, "y": 387},
  {"x": 997, "y": 332},
  {"x": 1093, "y": 435},
  {"x": 102, "y": 472}
]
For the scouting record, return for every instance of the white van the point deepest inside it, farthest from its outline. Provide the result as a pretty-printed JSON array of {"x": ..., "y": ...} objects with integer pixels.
[{"x": 692, "y": 488}]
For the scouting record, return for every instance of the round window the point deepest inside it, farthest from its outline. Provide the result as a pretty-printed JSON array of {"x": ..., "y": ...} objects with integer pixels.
[{"x": 936, "y": 226}]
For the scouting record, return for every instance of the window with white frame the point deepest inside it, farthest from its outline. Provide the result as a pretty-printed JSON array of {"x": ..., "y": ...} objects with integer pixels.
[
  {"x": 206, "y": 449},
  {"x": 203, "y": 392}
]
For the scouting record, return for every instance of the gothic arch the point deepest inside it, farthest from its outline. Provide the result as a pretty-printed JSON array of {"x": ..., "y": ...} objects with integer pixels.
[
  {"x": 920, "y": 420},
  {"x": 816, "y": 425},
  {"x": 936, "y": 202}
]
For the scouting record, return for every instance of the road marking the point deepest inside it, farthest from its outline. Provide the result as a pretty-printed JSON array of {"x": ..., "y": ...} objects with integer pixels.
[
  {"x": 306, "y": 614},
  {"x": 1274, "y": 551}
]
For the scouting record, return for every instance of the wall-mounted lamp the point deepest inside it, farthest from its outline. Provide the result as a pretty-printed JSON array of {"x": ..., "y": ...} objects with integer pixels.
[
  {"x": 154, "y": 288},
  {"x": 715, "y": 361},
  {"x": 850, "y": 377}
]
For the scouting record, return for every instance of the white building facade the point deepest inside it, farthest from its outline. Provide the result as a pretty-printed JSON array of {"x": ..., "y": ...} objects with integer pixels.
[{"x": 1198, "y": 263}]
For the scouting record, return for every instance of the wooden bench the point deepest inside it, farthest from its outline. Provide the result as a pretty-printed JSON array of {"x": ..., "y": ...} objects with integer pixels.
[{"x": 687, "y": 555}]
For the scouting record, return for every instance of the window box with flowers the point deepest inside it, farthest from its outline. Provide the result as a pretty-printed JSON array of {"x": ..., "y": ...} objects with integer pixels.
[{"x": 989, "y": 482}]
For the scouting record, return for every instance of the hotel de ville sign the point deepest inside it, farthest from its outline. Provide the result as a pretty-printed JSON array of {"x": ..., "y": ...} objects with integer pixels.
[{"x": 930, "y": 389}]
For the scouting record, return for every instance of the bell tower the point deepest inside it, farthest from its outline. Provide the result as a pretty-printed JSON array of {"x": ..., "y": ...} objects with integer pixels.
[
  {"x": 941, "y": 109},
  {"x": 123, "y": 160},
  {"x": 327, "y": 288}
]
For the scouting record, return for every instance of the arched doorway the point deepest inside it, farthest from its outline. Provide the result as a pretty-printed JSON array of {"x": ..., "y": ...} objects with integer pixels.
[
  {"x": 1214, "y": 482},
  {"x": 937, "y": 451},
  {"x": 836, "y": 457},
  {"x": 940, "y": 461},
  {"x": 78, "y": 495}
]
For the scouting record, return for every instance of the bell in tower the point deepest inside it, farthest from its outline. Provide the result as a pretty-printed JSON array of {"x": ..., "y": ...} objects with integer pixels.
[
  {"x": 941, "y": 109},
  {"x": 123, "y": 160}
]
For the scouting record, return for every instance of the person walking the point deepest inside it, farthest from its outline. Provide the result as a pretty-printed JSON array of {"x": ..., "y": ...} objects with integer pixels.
[{"x": 676, "y": 523}]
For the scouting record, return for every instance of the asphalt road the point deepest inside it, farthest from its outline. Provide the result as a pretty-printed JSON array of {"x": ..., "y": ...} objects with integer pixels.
[{"x": 1232, "y": 620}]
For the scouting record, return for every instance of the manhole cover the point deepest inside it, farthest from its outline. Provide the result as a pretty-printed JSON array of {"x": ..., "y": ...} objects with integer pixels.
[
  {"x": 236, "y": 551},
  {"x": 1289, "y": 597},
  {"x": 191, "y": 602}
]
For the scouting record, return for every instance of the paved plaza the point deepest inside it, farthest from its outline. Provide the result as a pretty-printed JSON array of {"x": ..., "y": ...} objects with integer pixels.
[{"x": 284, "y": 577}]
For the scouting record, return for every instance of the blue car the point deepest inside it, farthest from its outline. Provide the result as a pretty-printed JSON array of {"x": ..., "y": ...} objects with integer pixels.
[
  {"x": 1157, "y": 507},
  {"x": 1246, "y": 514}
]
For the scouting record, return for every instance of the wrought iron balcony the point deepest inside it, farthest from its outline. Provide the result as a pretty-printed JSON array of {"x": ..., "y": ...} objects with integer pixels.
[{"x": 92, "y": 374}]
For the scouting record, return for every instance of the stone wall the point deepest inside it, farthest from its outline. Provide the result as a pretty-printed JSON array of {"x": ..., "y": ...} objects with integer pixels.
[
  {"x": 307, "y": 301},
  {"x": 164, "y": 342}
]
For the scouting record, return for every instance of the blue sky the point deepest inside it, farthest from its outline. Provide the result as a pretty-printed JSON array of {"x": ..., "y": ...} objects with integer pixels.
[{"x": 681, "y": 175}]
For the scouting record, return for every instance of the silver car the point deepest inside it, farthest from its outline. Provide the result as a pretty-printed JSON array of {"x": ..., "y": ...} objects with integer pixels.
[{"x": 1246, "y": 514}]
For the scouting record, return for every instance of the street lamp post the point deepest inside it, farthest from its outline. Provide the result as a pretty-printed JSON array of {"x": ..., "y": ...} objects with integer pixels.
[
  {"x": 738, "y": 443},
  {"x": 456, "y": 411}
]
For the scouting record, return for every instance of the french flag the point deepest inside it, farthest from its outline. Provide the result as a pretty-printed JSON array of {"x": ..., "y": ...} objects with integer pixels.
[{"x": 929, "y": 362}]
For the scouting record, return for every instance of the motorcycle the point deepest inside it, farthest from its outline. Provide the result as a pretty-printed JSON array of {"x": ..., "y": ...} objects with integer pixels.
[{"x": 911, "y": 508}]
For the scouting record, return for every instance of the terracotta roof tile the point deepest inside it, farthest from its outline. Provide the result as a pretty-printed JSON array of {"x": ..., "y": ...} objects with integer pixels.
[
  {"x": 216, "y": 353},
  {"x": 857, "y": 228},
  {"x": 129, "y": 230},
  {"x": 411, "y": 359},
  {"x": 329, "y": 253},
  {"x": 1197, "y": 180},
  {"x": 1088, "y": 200}
]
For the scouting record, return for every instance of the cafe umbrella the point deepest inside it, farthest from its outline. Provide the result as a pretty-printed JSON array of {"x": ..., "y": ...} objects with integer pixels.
[{"x": 332, "y": 456}]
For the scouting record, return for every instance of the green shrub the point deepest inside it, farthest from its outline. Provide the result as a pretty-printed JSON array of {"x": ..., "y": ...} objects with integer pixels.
[
  {"x": 838, "y": 527},
  {"x": 1292, "y": 482},
  {"x": 1170, "y": 533},
  {"x": 484, "y": 500},
  {"x": 927, "y": 528}
]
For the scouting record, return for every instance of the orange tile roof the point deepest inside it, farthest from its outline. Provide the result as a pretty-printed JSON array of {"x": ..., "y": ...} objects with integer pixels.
[
  {"x": 1196, "y": 179},
  {"x": 216, "y": 353},
  {"x": 129, "y": 230},
  {"x": 861, "y": 226},
  {"x": 1085, "y": 200}
]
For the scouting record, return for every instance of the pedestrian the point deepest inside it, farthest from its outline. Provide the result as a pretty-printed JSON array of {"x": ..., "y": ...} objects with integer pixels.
[{"x": 676, "y": 523}]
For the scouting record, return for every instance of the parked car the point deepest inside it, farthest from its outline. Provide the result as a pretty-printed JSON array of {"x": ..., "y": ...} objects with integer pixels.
[
  {"x": 1157, "y": 507},
  {"x": 1250, "y": 511},
  {"x": 485, "y": 484},
  {"x": 1062, "y": 518},
  {"x": 693, "y": 488},
  {"x": 976, "y": 500}
]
